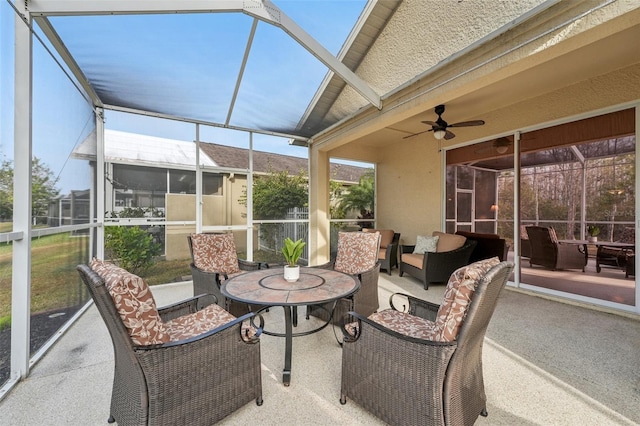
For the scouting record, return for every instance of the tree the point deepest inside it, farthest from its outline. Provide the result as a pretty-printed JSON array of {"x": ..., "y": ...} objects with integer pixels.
[
  {"x": 276, "y": 193},
  {"x": 273, "y": 195},
  {"x": 42, "y": 188},
  {"x": 361, "y": 197},
  {"x": 6, "y": 190}
]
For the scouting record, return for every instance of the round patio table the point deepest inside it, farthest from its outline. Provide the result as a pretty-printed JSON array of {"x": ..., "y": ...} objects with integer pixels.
[{"x": 267, "y": 287}]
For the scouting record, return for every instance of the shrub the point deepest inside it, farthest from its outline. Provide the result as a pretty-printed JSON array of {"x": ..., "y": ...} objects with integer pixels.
[{"x": 131, "y": 248}]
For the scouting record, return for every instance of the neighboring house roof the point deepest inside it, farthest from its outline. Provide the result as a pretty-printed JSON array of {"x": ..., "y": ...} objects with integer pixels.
[
  {"x": 264, "y": 162},
  {"x": 142, "y": 150},
  {"x": 125, "y": 147}
]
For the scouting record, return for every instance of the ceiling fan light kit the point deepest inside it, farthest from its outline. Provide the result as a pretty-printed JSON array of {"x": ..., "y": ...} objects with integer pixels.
[{"x": 440, "y": 128}]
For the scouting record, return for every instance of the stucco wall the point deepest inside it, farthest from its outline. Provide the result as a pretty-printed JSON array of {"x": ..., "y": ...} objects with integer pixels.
[
  {"x": 218, "y": 210},
  {"x": 581, "y": 68},
  {"x": 423, "y": 33}
]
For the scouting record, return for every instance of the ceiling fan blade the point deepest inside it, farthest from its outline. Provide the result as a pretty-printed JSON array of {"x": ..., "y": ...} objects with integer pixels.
[
  {"x": 449, "y": 135},
  {"x": 468, "y": 123},
  {"x": 430, "y": 123},
  {"x": 416, "y": 134}
]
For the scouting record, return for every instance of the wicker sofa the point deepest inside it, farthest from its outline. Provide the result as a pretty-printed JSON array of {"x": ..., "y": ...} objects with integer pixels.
[
  {"x": 452, "y": 252},
  {"x": 487, "y": 246},
  {"x": 168, "y": 368}
]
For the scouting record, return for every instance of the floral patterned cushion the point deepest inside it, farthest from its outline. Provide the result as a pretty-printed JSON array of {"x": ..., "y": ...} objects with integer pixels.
[
  {"x": 457, "y": 297},
  {"x": 406, "y": 324},
  {"x": 194, "y": 324},
  {"x": 134, "y": 302},
  {"x": 215, "y": 253},
  {"x": 451, "y": 314},
  {"x": 357, "y": 251}
]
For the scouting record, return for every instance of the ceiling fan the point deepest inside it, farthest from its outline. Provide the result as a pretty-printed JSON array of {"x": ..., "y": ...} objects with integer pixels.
[{"x": 440, "y": 128}]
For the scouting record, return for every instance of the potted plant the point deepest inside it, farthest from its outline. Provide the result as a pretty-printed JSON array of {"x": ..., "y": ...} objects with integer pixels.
[
  {"x": 593, "y": 232},
  {"x": 292, "y": 250}
]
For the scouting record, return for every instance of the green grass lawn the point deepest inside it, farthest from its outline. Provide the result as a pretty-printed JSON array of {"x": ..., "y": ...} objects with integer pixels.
[{"x": 55, "y": 283}]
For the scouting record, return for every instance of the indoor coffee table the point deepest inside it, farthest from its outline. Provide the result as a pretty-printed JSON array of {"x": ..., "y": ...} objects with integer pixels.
[{"x": 267, "y": 287}]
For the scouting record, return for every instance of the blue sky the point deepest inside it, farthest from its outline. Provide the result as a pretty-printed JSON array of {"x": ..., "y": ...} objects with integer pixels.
[{"x": 61, "y": 118}]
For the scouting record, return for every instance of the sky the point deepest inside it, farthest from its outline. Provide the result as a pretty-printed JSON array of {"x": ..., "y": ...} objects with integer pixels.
[{"x": 62, "y": 118}]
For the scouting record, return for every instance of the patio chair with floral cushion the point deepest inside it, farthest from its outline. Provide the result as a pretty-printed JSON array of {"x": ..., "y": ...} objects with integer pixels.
[
  {"x": 214, "y": 259},
  {"x": 189, "y": 363},
  {"x": 357, "y": 255},
  {"x": 423, "y": 364}
]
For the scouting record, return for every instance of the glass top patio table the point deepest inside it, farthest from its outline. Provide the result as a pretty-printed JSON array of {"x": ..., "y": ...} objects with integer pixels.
[{"x": 267, "y": 287}]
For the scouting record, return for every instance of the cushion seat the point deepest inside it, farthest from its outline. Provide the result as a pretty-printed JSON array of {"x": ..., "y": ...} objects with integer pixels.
[
  {"x": 406, "y": 324},
  {"x": 415, "y": 260},
  {"x": 191, "y": 325}
]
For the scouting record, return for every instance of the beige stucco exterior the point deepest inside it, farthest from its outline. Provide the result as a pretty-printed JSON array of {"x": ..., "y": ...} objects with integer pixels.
[
  {"x": 217, "y": 210},
  {"x": 572, "y": 59}
]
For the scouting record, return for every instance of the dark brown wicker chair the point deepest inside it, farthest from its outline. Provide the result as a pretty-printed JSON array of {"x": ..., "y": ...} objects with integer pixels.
[
  {"x": 436, "y": 267},
  {"x": 389, "y": 243},
  {"x": 525, "y": 244},
  {"x": 548, "y": 252},
  {"x": 221, "y": 262},
  {"x": 365, "y": 266},
  {"x": 197, "y": 381},
  {"x": 413, "y": 381}
]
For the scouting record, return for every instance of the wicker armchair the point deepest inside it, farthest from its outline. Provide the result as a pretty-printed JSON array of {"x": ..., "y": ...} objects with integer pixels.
[
  {"x": 434, "y": 267},
  {"x": 548, "y": 252},
  {"x": 357, "y": 255},
  {"x": 525, "y": 244},
  {"x": 197, "y": 380},
  {"x": 409, "y": 368},
  {"x": 213, "y": 260},
  {"x": 388, "y": 253}
]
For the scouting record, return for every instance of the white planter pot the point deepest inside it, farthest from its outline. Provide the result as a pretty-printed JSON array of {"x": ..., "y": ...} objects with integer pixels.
[
  {"x": 593, "y": 239},
  {"x": 291, "y": 273}
]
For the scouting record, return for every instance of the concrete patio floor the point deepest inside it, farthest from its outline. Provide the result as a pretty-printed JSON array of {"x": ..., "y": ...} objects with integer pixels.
[{"x": 545, "y": 363}]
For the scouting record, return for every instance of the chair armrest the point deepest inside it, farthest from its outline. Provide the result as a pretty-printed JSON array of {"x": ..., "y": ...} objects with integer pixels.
[
  {"x": 246, "y": 265},
  {"x": 406, "y": 249},
  {"x": 328, "y": 265},
  {"x": 417, "y": 307},
  {"x": 187, "y": 306},
  {"x": 365, "y": 325},
  {"x": 236, "y": 323}
]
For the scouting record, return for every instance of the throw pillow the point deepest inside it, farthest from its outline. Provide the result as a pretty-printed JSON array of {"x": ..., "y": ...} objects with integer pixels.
[{"x": 425, "y": 244}]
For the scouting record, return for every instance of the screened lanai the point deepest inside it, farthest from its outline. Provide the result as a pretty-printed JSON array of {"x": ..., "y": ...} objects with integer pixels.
[
  {"x": 587, "y": 180},
  {"x": 193, "y": 74},
  {"x": 354, "y": 82}
]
